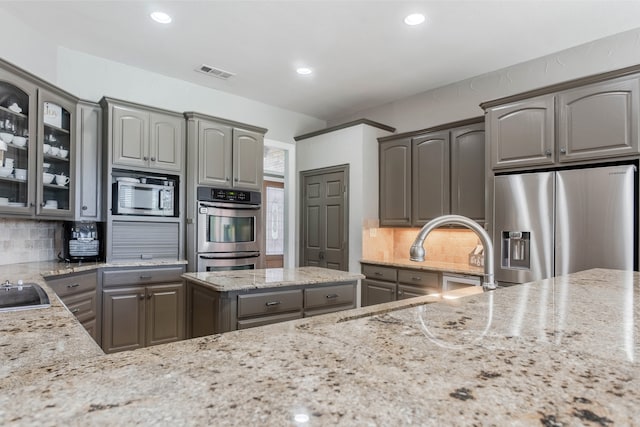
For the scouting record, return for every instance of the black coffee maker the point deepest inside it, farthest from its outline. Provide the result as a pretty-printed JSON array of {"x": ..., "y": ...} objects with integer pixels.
[{"x": 82, "y": 241}]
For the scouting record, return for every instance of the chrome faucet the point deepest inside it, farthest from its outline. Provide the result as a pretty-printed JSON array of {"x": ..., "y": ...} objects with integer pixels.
[{"x": 417, "y": 251}]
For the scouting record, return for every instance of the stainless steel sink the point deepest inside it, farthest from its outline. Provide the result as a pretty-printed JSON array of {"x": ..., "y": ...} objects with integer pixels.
[{"x": 22, "y": 296}]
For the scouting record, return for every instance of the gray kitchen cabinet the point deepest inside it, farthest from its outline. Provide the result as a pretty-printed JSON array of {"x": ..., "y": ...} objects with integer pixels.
[
  {"x": 142, "y": 307},
  {"x": 79, "y": 293},
  {"x": 37, "y": 123},
  {"x": 123, "y": 319},
  {"x": 386, "y": 284},
  {"x": 144, "y": 137},
  {"x": 130, "y": 137},
  {"x": 214, "y": 154},
  {"x": 468, "y": 171},
  {"x": 224, "y": 154},
  {"x": 431, "y": 174},
  {"x": 88, "y": 162},
  {"x": 522, "y": 133},
  {"x": 378, "y": 292},
  {"x": 211, "y": 312},
  {"x": 248, "y": 159},
  {"x": 599, "y": 120},
  {"x": 395, "y": 182},
  {"x": 591, "y": 118}
]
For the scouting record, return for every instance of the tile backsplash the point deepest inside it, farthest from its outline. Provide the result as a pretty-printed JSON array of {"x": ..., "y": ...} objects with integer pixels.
[
  {"x": 28, "y": 240},
  {"x": 443, "y": 245}
]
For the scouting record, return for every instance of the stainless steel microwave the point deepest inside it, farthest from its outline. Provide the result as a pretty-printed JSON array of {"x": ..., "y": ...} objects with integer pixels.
[{"x": 136, "y": 198}]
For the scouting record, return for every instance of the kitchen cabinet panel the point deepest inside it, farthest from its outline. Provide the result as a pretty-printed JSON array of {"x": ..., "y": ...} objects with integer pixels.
[
  {"x": 248, "y": 159},
  {"x": 599, "y": 120},
  {"x": 468, "y": 171},
  {"x": 123, "y": 319},
  {"x": 522, "y": 133},
  {"x": 430, "y": 156},
  {"x": 214, "y": 154},
  {"x": 408, "y": 291},
  {"x": 88, "y": 162},
  {"x": 130, "y": 136},
  {"x": 395, "y": 182},
  {"x": 386, "y": 284},
  {"x": 165, "y": 313},
  {"x": 166, "y": 149},
  {"x": 377, "y": 292}
]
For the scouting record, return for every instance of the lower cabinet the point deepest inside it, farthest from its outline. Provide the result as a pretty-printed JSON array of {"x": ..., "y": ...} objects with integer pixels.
[
  {"x": 79, "y": 292},
  {"x": 210, "y": 312},
  {"x": 386, "y": 284},
  {"x": 142, "y": 307}
]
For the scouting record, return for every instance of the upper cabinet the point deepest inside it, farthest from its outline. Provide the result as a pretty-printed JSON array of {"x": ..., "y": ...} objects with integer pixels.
[
  {"x": 395, "y": 182},
  {"x": 144, "y": 138},
  {"x": 37, "y": 148},
  {"x": 88, "y": 161},
  {"x": 571, "y": 124},
  {"x": 430, "y": 173},
  {"x": 228, "y": 154}
]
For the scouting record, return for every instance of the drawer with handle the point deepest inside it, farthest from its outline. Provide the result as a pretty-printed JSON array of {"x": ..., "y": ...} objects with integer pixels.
[
  {"x": 327, "y": 296},
  {"x": 141, "y": 276},
  {"x": 419, "y": 278},
  {"x": 269, "y": 303},
  {"x": 379, "y": 273},
  {"x": 83, "y": 306},
  {"x": 75, "y": 284}
]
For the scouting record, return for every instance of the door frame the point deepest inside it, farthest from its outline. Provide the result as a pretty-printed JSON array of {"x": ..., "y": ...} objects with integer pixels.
[{"x": 322, "y": 171}]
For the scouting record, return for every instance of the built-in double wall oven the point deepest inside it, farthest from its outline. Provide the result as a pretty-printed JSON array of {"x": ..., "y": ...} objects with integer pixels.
[{"x": 229, "y": 230}]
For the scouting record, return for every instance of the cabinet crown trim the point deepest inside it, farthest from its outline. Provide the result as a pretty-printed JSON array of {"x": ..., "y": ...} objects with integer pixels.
[
  {"x": 192, "y": 115},
  {"x": 344, "y": 126},
  {"x": 112, "y": 101},
  {"x": 445, "y": 126}
]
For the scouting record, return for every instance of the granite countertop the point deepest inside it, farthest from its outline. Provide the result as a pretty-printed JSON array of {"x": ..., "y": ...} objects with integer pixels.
[
  {"x": 243, "y": 280},
  {"x": 562, "y": 351},
  {"x": 445, "y": 267}
]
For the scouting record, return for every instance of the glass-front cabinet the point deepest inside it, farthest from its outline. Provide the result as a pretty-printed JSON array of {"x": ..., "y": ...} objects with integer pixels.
[
  {"x": 56, "y": 123},
  {"x": 36, "y": 148}
]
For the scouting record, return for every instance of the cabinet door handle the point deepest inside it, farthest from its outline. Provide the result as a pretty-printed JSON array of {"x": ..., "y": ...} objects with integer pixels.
[
  {"x": 141, "y": 296},
  {"x": 146, "y": 277},
  {"x": 74, "y": 285},
  {"x": 547, "y": 152},
  {"x": 272, "y": 303},
  {"x": 42, "y": 205},
  {"x": 75, "y": 310},
  {"x": 235, "y": 179},
  {"x": 563, "y": 151},
  {"x": 332, "y": 296},
  {"x": 416, "y": 278},
  {"x": 400, "y": 293},
  {"x": 149, "y": 296},
  {"x": 226, "y": 178},
  {"x": 153, "y": 159},
  {"x": 145, "y": 158},
  {"x": 84, "y": 208},
  {"x": 377, "y": 273}
]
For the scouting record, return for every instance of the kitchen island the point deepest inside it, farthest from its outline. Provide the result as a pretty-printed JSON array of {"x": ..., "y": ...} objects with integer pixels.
[
  {"x": 225, "y": 301},
  {"x": 562, "y": 351}
]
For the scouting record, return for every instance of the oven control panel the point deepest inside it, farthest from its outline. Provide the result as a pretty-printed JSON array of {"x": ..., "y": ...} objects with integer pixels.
[{"x": 209, "y": 194}]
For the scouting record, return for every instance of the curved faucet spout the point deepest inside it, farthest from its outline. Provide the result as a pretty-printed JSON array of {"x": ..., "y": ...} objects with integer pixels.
[{"x": 417, "y": 252}]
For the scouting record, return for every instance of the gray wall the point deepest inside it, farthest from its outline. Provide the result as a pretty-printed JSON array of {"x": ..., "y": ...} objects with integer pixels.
[{"x": 460, "y": 100}]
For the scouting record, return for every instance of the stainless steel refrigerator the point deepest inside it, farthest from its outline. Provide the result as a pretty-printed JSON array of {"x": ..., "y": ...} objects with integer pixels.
[{"x": 552, "y": 223}]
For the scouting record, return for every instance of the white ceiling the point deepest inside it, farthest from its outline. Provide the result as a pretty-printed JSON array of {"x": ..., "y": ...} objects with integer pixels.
[{"x": 361, "y": 52}]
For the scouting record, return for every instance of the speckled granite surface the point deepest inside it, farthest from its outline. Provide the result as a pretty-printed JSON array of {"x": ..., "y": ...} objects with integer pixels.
[
  {"x": 562, "y": 351},
  {"x": 228, "y": 281},
  {"x": 448, "y": 267}
]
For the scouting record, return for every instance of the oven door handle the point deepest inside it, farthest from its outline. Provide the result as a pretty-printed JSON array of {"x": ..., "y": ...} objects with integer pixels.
[
  {"x": 230, "y": 206},
  {"x": 231, "y": 255}
]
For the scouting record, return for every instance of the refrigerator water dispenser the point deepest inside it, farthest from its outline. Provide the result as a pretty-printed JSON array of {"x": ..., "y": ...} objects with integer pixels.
[{"x": 515, "y": 249}]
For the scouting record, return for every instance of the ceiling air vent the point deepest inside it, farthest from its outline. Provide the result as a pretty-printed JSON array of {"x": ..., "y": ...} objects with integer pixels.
[{"x": 215, "y": 72}]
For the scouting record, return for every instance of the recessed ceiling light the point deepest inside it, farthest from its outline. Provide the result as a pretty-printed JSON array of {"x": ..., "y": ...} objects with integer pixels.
[
  {"x": 414, "y": 19},
  {"x": 161, "y": 17},
  {"x": 304, "y": 71}
]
